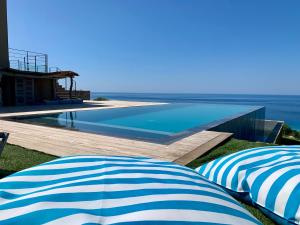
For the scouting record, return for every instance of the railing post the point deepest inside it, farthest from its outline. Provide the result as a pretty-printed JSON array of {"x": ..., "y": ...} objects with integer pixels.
[
  {"x": 71, "y": 88},
  {"x": 27, "y": 61},
  {"x": 24, "y": 64},
  {"x": 35, "y": 63},
  {"x": 46, "y": 62},
  {"x": 75, "y": 88}
]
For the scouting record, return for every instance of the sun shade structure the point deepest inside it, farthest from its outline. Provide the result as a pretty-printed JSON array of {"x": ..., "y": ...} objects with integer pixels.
[
  {"x": 115, "y": 190},
  {"x": 31, "y": 74},
  {"x": 268, "y": 177}
]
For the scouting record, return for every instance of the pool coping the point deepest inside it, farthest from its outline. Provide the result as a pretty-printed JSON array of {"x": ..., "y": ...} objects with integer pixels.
[{"x": 86, "y": 106}]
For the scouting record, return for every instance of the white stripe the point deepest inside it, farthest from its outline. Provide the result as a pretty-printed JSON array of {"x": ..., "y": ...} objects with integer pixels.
[
  {"x": 213, "y": 169},
  {"x": 207, "y": 168},
  {"x": 256, "y": 171},
  {"x": 231, "y": 161},
  {"x": 281, "y": 159},
  {"x": 112, "y": 203},
  {"x": 284, "y": 194},
  {"x": 107, "y": 158},
  {"x": 94, "y": 163},
  {"x": 267, "y": 184},
  {"x": 252, "y": 177},
  {"x": 116, "y": 176},
  {"x": 244, "y": 162},
  {"x": 115, "y": 187},
  {"x": 155, "y": 215},
  {"x": 242, "y": 176},
  {"x": 70, "y": 174}
]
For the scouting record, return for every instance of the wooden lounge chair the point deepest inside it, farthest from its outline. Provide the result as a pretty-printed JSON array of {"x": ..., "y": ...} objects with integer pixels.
[{"x": 3, "y": 140}]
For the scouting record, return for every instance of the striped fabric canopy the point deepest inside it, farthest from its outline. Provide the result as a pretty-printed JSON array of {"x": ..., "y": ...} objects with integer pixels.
[
  {"x": 268, "y": 176},
  {"x": 115, "y": 190}
]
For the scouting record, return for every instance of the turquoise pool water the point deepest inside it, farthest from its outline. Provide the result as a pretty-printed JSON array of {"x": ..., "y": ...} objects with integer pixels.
[{"x": 158, "y": 123}]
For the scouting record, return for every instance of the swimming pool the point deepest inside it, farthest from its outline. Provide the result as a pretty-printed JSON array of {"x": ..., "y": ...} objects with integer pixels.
[{"x": 159, "y": 123}]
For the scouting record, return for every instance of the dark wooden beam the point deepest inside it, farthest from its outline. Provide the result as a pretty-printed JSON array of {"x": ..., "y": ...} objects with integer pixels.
[{"x": 71, "y": 87}]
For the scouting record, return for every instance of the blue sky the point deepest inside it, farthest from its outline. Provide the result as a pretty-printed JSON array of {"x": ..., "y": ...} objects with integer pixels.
[{"x": 188, "y": 46}]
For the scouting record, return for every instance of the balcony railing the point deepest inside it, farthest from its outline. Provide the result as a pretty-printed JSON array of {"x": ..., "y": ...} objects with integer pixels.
[{"x": 28, "y": 61}]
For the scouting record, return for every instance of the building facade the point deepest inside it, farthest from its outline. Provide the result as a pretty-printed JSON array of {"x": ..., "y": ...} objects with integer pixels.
[{"x": 26, "y": 79}]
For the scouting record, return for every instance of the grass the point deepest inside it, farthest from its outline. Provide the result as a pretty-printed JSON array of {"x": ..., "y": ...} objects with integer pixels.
[
  {"x": 258, "y": 214},
  {"x": 15, "y": 158}
]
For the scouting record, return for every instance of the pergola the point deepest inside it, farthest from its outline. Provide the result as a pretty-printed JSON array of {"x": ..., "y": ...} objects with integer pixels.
[{"x": 51, "y": 75}]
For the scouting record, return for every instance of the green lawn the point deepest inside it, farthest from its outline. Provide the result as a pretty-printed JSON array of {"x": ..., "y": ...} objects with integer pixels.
[{"x": 15, "y": 158}]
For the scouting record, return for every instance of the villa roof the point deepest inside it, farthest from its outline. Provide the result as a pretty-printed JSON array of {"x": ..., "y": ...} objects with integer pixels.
[{"x": 30, "y": 74}]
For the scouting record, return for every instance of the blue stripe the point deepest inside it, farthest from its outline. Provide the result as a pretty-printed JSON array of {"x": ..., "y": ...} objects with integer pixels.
[
  {"x": 52, "y": 214},
  {"x": 91, "y": 196},
  {"x": 29, "y": 184},
  {"x": 120, "y": 181},
  {"x": 226, "y": 172},
  {"x": 262, "y": 177},
  {"x": 277, "y": 186},
  {"x": 90, "y": 168},
  {"x": 292, "y": 206},
  {"x": 234, "y": 183}
]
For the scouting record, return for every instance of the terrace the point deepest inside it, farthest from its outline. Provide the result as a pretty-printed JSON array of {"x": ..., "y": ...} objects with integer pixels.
[{"x": 43, "y": 127}]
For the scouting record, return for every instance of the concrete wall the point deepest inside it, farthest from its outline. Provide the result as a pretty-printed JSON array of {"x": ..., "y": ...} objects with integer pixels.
[{"x": 4, "y": 58}]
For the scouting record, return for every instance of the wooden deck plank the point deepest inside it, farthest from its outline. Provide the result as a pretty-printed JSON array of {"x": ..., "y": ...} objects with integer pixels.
[
  {"x": 61, "y": 142},
  {"x": 202, "y": 149}
]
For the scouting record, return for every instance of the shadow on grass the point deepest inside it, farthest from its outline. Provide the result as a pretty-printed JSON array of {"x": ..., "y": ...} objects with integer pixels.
[{"x": 5, "y": 173}]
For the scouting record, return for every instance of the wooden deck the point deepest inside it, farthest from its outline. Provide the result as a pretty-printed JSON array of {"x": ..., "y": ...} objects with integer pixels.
[{"x": 62, "y": 142}]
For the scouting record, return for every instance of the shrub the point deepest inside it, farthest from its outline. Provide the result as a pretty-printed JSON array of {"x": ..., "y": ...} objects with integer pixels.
[
  {"x": 100, "y": 99},
  {"x": 289, "y": 132}
]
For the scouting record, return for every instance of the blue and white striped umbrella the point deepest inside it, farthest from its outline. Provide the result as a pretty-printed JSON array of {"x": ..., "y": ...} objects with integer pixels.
[
  {"x": 115, "y": 190},
  {"x": 267, "y": 176}
]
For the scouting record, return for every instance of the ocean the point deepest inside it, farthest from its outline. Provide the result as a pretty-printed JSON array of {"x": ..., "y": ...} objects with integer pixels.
[{"x": 278, "y": 107}]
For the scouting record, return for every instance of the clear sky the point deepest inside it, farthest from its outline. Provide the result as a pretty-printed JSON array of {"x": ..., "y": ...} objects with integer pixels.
[{"x": 190, "y": 46}]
